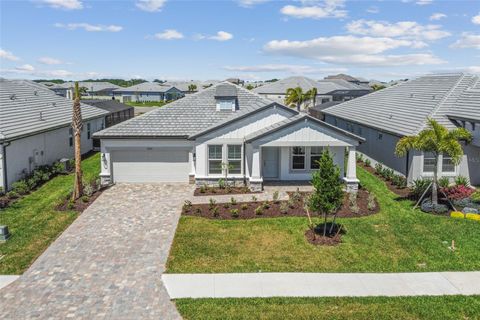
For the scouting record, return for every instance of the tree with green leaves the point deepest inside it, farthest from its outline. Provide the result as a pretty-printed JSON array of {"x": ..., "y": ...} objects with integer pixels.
[
  {"x": 249, "y": 86},
  {"x": 437, "y": 140},
  {"x": 77, "y": 124},
  {"x": 377, "y": 87},
  {"x": 312, "y": 95},
  {"x": 295, "y": 97},
  {"x": 328, "y": 194},
  {"x": 192, "y": 87}
]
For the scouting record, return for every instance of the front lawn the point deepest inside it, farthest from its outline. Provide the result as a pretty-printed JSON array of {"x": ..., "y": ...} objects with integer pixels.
[
  {"x": 34, "y": 223},
  {"x": 397, "y": 239},
  {"x": 425, "y": 308}
]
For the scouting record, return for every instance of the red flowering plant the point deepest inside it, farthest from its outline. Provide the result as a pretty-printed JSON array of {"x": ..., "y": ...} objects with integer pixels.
[{"x": 458, "y": 192}]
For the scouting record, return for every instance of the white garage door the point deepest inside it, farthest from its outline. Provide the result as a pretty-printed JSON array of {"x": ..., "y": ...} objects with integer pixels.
[{"x": 160, "y": 165}]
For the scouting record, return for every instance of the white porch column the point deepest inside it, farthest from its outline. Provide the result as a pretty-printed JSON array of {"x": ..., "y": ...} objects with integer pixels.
[
  {"x": 191, "y": 160},
  {"x": 256, "y": 180},
  {"x": 105, "y": 165},
  {"x": 351, "y": 175}
]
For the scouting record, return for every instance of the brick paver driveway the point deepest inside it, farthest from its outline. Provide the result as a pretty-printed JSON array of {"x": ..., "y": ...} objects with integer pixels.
[{"x": 108, "y": 263}]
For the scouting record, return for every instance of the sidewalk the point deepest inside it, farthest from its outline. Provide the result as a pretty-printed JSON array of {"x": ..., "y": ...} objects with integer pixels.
[
  {"x": 6, "y": 280},
  {"x": 245, "y": 285}
]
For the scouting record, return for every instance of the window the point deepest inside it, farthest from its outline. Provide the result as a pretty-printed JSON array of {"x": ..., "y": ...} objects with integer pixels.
[
  {"x": 325, "y": 100},
  {"x": 447, "y": 164},
  {"x": 298, "y": 158},
  {"x": 235, "y": 159},
  {"x": 89, "y": 132},
  {"x": 215, "y": 159},
  {"x": 380, "y": 136},
  {"x": 70, "y": 137},
  {"x": 428, "y": 162},
  {"x": 225, "y": 104},
  {"x": 315, "y": 153}
]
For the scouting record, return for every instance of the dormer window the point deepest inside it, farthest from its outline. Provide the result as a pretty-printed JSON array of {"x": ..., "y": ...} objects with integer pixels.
[
  {"x": 226, "y": 97},
  {"x": 226, "y": 104}
]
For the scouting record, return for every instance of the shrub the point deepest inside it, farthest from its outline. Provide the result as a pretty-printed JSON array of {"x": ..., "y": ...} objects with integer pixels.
[
  {"x": 399, "y": 181},
  {"x": 378, "y": 168},
  {"x": 297, "y": 196},
  {"x": 254, "y": 199},
  {"x": 233, "y": 201},
  {"x": 476, "y": 197},
  {"x": 352, "y": 203},
  {"x": 71, "y": 205},
  {"x": 244, "y": 206},
  {"x": 359, "y": 157},
  {"x": 226, "y": 205},
  {"x": 187, "y": 205},
  {"x": 203, "y": 189},
  {"x": 371, "y": 204},
  {"x": 198, "y": 210},
  {"x": 419, "y": 186},
  {"x": 214, "y": 211},
  {"x": 85, "y": 198},
  {"x": 12, "y": 195},
  {"x": 21, "y": 187},
  {"x": 388, "y": 174},
  {"x": 57, "y": 168},
  {"x": 428, "y": 206},
  {"x": 443, "y": 182},
  {"x": 275, "y": 196},
  {"x": 221, "y": 183},
  {"x": 88, "y": 189},
  {"x": 211, "y": 203},
  {"x": 266, "y": 205},
  {"x": 458, "y": 192},
  {"x": 284, "y": 208},
  {"x": 234, "y": 213},
  {"x": 291, "y": 204},
  {"x": 462, "y": 181},
  {"x": 368, "y": 163},
  {"x": 259, "y": 211}
]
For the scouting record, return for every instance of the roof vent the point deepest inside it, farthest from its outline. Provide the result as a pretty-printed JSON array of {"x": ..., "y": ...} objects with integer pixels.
[
  {"x": 411, "y": 95},
  {"x": 13, "y": 97},
  {"x": 41, "y": 116},
  {"x": 35, "y": 93},
  {"x": 433, "y": 97},
  {"x": 54, "y": 104},
  {"x": 391, "y": 116}
]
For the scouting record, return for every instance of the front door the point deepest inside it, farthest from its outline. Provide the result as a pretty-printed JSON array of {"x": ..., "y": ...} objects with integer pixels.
[{"x": 270, "y": 163}]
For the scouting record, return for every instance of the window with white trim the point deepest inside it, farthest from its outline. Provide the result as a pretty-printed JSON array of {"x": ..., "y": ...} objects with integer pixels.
[
  {"x": 298, "y": 158},
  {"x": 226, "y": 104},
  {"x": 234, "y": 158},
  {"x": 428, "y": 162},
  {"x": 215, "y": 159},
  {"x": 315, "y": 154},
  {"x": 447, "y": 164}
]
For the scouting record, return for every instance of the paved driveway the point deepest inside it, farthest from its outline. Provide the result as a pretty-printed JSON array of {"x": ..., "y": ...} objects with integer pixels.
[{"x": 108, "y": 263}]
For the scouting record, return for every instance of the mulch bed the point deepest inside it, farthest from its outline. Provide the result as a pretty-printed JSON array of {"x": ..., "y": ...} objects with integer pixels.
[
  {"x": 79, "y": 205},
  {"x": 320, "y": 240},
  {"x": 246, "y": 210},
  {"x": 216, "y": 191},
  {"x": 404, "y": 193}
]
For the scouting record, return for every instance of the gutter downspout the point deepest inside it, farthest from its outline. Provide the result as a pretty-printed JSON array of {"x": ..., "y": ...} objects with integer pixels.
[
  {"x": 407, "y": 166},
  {"x": 4, "y": 159},
  {"x": 244, "y": 162}
]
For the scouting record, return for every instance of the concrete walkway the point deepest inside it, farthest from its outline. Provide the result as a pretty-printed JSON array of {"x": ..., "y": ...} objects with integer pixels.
[
  {"x": 108, "y": 263},
  {"x": 6, "y": 280},
  {"x": 246, "y": 285}
]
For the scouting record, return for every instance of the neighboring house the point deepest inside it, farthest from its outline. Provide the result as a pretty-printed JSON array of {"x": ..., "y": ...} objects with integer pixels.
[
  {"x": 355, "y": 80},
  {"x": 385, "y": 116},
  {"x": 35, "y": 128},
  {"x": 93, "y": 90},
  {"x": 147, "y": 92},
  {"x": 327, "y": 90},
  {"x": 193, "y": 138},
  {"x": 317, "y": 111}
]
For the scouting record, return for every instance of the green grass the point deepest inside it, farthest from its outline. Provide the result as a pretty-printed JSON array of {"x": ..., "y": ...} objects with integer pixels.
[
  {"x": 397, "y": 239},
  {"x": 34, "y": 223},
  {"x": 425, "y": 308},
  {"x": 146, "y": 104}
]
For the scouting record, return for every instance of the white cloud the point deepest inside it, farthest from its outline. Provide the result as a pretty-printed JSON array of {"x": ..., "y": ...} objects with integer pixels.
[
  {"x": 168, "y": 34},
  {"x": 8, "y": 55},
  {"x": 250, "y": 3},
  {"x": 468, "y": 40},
  {"x": 25, "y": 67},
  {"x": 423, "y": 2},
  {"x": 49, "y": 61},
  {"x": 220, "y": 36},
  {"x": 89, "y": 27},
  {"x": 473, "y": 69},
  {"x": 328, "y": 9},
  {"x": 373, "y": 9},
  {"x": 64, "y": 4},
  {"x": 402, "y": 29},
  {"x": 150, "y": 5},
  {"x": 437, "y": 16},
  {"x": 476, "y": 19},
  {"x": 289, "y": 68},
  {"x": 351, "y": 50}
]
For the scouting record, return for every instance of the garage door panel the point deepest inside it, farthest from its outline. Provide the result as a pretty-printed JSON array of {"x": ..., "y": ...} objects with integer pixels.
[{"x": 165, "y": 165}]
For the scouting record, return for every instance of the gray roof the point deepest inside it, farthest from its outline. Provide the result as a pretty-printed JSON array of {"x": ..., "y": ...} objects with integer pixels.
[
  {"x": 225, "y": 90},
  {"x": 323, "y": 86},
  {"x": 187, "y": 116},
  {"x": 91, "y": 86},
  {"x": 403, "y": 109},
  {"x": 183, "y": 85},
  {"x": 27, "y": 108},
  {"x": 292, "y": 120},
  {"x": 342, "y": 76},
  {"x": 467, "y": 106},
  {"x": 110, "y": 105},
  {"x": 146, "y": 87},
  {"x": 322, "y": 106}
]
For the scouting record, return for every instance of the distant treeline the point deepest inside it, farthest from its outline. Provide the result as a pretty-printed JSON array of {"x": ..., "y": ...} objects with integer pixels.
[{"x": 118, "y": 82}]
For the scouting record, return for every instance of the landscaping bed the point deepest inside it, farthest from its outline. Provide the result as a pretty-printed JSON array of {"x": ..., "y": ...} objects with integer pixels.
[
  {"x": 94, "y": 191},
  {"x": 294, "y": 207},
  {"x": 217, "y": 191}
]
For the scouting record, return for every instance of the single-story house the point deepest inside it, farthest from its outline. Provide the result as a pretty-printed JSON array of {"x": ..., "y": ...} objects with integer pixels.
[
  {"x": 147, "y": 92},
  {"x": 355, "y": 80},
  {"x": 327, "y": 90},
  {"x": 89, "y": 89},
  {"x": 387, "y": 115},
  {"x": 35, "y": 128},
  {"x": 224, "y": 129}
]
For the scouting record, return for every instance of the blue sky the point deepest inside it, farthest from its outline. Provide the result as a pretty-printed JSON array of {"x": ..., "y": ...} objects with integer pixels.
[{"x": 249, "y": 39}]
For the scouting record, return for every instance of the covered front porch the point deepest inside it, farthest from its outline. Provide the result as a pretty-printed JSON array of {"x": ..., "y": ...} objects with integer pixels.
[{"x": 290, "y": 151}]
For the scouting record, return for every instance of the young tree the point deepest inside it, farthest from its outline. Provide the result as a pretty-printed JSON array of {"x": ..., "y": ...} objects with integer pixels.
[
  {"x": 295, "y": 97},
  {"x": 327, "y": 194},
  {"x": 77, "y": 125},
  {"x": 312, "y": 95},
  {"x": 438, "y": 140}
]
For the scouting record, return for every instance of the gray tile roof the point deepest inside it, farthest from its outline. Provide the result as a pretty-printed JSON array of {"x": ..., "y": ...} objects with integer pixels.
[
  {"x": 145, "y": 87},
  {"x": 187, "y": 116},
  {"x": 225, "y": 90},
  {"x": 289, "y": 121},
  {"x": 22, "y": 102},
  {"x": 342, "y": 76},
  {"x": 91, "y": 86},
  {"x": 111, "y": 106},
  {"x": 323, "y": 86},
  {"x": 403, "y": 109},
  {"x": 467, "y": 106}
]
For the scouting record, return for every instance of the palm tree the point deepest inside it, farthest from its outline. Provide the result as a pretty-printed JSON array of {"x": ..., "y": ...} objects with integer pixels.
[
  {"x": 77, "y": 125},
  {"x": 295, "y": 97},
  {"x": 438, "y": 140},
  {"x": 312, "y": 95}
]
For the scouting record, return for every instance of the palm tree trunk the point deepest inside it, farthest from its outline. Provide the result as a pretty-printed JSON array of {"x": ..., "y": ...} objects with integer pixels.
[
  {"x": 77, "y": 188},
  {"x": 435, "y": 182},
  {"x": 298, "y": 106}
]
